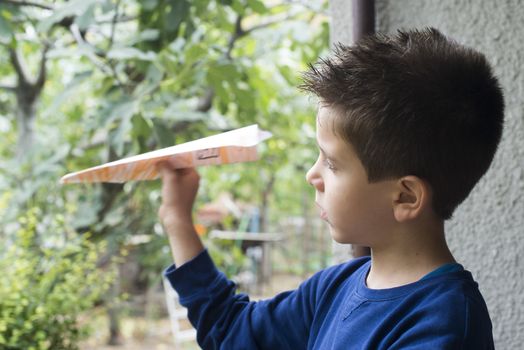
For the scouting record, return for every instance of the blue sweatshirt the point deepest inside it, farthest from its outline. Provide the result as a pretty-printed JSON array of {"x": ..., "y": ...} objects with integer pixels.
[{"x": 335, "y": 310}]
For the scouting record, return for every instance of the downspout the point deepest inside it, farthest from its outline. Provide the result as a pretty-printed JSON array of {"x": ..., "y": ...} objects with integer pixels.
[
  {"x": 363, "y": 18},
  {"x": 363, "y": 24}
]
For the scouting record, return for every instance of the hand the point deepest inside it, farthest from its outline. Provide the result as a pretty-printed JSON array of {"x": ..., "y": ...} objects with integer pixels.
[{"x": 179, "y": 190}]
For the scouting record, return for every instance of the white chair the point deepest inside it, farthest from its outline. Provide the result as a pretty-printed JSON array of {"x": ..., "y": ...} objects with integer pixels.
[{"x": 178, "y": 316}]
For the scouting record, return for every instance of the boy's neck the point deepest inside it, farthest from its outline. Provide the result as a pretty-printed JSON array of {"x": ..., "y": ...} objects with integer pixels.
[{"x": 408, "y": 257}]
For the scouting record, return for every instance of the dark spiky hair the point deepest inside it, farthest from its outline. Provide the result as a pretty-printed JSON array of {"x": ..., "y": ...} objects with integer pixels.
[{"x": 414, "y": 103}]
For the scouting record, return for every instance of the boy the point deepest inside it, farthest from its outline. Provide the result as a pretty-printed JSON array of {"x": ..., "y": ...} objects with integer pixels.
[{"x": 406, "y": 126}]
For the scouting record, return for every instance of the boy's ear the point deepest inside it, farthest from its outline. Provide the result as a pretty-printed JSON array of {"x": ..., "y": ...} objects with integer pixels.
[{"x": 411, "y": 198}]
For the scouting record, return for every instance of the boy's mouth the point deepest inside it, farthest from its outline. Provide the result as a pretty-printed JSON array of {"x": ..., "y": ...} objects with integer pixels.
[{"x": 323, "y": 214}]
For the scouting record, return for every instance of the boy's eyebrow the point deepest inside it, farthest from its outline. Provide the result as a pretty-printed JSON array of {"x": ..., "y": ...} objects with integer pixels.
[{"x": 324, "y": 153}]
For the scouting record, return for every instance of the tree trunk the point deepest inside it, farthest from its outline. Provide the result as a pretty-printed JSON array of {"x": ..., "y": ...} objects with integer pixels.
[
  {"x": 28, "y": 92},
  {"x": 113, "y": 312},
  {"x": 265, "y": 203},
  {"x": 26, "y": 116}
]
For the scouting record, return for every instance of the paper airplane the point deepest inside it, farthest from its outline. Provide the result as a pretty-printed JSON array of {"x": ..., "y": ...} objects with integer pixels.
[{"x": 234, "y": 146}]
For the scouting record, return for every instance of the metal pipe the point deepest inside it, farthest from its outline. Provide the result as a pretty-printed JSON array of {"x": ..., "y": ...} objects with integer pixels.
[{"x": 363, "y": 18}]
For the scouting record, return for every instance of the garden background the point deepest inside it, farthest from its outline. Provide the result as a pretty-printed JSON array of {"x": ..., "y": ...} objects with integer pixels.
[{"x": 84, "y": 82}]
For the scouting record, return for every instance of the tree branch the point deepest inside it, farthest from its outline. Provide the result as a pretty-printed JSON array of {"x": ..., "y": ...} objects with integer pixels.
[
  {"x": 42, "y": 73},
  {"x": 28, "y": 3},
  {"x": 270, "y": 23},
  {"x": 108, "y": 69},
  {"x": 24, "y": 80},
  {"x": 113, "y": 25},
  {"x": 9, "y": 88},
  {"x": 241, "y": 32},
  {"x": 16, "y": 61},
  {"x": 205, "y": 102},
  {"x": 237, "y": 34},
  {"x": 307, "y": 6},
  {"x": 121, "y": 19},
  {"x": 81, "y": 42}
]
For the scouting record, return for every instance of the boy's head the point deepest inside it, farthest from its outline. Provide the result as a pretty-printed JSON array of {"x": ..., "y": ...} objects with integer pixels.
[{"x": 416, "y": 103}]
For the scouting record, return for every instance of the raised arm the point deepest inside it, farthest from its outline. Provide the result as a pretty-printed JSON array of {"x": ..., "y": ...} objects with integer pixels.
[
  {"x": 179, "y": 189},
  {"x": 223, "y": 318}
]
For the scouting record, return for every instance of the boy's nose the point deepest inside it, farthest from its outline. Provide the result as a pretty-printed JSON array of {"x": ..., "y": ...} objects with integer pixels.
[{"x": 314, "y": 178}]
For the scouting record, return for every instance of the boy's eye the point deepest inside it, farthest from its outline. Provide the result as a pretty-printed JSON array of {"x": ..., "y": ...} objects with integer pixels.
[{"x": 329, "y": 164}]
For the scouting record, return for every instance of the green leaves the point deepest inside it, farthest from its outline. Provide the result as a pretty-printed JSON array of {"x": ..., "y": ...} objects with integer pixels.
[
  {"x": 163, "y": 135},
  {"x": 183, "y": 111},
  {"x": 130, "y": 80},
  {"x": 45, "y": 288},
  {"x": 177, "y": 13},
  {"x": 222, "y": 76},
  {"x": 129, "y": 53},
  {"x": 167, "y": 16},
  {"x": 257, "y": 6},
  {"x": 85, "y": 17},
  {"x": 81, "y": 9},
  {"x": 119, "y": 120},
  {"x": 6, "y": 33}
]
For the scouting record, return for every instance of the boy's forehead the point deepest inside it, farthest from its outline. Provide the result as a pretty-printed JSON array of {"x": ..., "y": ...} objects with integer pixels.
[
  {"x": 329, "y": 121},
  {"x": 326, "y": 116}
]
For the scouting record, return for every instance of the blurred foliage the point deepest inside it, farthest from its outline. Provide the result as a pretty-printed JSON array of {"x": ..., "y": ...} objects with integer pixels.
[
  {"x": 228, "y": 256},
  {"x": 121, "y": 78},
  {"x": 46, "y": 286}
]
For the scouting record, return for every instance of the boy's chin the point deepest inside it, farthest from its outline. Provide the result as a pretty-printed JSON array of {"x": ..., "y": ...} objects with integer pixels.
[
  {"x": 339, "y": 237},
  {"x": 344, "y": 237}
]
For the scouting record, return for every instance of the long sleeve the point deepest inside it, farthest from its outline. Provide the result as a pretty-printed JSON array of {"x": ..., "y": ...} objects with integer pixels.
[{"x": 227, "y": 320}]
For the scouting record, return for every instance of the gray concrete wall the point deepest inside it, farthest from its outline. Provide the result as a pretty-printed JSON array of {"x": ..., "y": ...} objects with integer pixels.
[{"x": 486, "y": 233}]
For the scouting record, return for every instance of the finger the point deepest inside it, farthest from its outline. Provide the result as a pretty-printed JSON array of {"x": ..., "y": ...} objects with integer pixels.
[
  {"x": 168, "y": 166},
  {"x": 171, "y": 174},
  {"x": 167, "y": 175},
  {"x": 187, "y": 172},
  {"x": 164, "y": 165}
]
